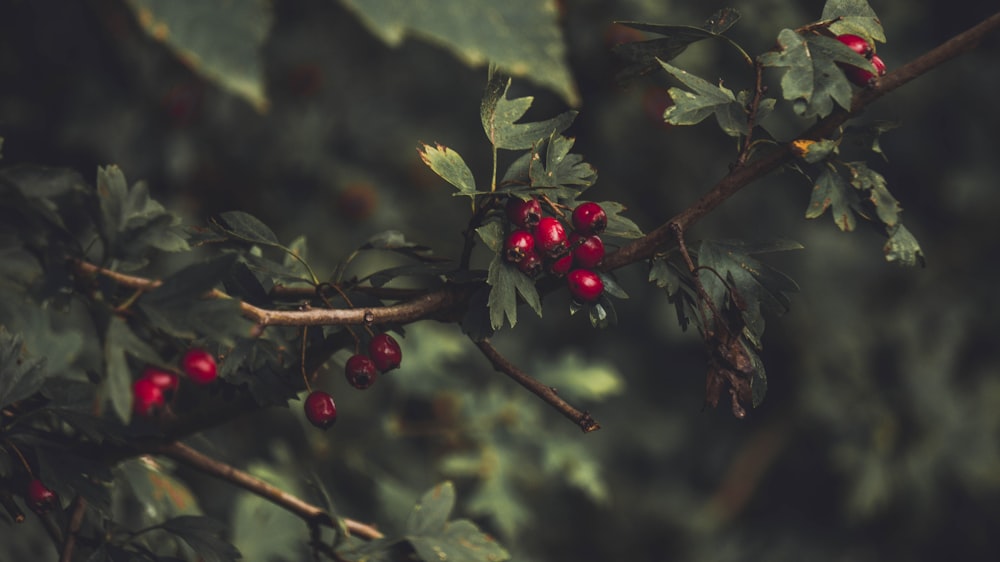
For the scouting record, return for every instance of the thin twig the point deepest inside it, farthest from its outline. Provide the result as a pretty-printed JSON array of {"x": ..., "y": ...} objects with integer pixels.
[
  {"x": 758, "y": 94},
  {"x": 583, "y": 419},
  {"x": 311, "y": 514},
  {"x": 73, "y": 528}
]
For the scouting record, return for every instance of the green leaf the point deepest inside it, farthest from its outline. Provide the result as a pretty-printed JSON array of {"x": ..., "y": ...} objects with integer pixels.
[
  {"x": 192, "y": 281},
  {"x": 491, "y": 234},
  {"x": 812, "y": 81},
  {"x": 832, "y": 191},
  {"x": 680, "y": 289},
  {"x": 573, "y": 462},
  {"x": 813, "y": 151},
  {"x": 69, "y": 474},
  {"x": 554, "y": 166},
  {"x": 873, "y": 184},
  {"x": 117, "y": 384},
  {"x": 204, "y": 536},
  {"x": 450, "y": 166},
  {"x": 853, "y": 16},
  {"x": 757, "y": 283},
  {"x": 499, "y": 116},
  {"x": 222, "y": 41},
  {"x": 522, "y": 37},
  {"x": 261, "y": 529},
  {"x": 579, "y": 378},
  {"x": 704, "y": 100},
  {"x": 21, "y": 376},
  {"x": 461, "y": 541},
  {"x": 506, "y": 282},
  {"x": 903, "y": 248},
  {"x": 431, "y": 513},
  {"x": 246, "y": 227},
  {"x": 495, "y": 497},
  {"x": 619, "y": 226}
]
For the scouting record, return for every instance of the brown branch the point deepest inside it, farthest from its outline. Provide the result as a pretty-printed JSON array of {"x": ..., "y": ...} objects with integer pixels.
[
  {"x": 546, "y": 393},
  {"x": 73, "y": 529},
  {"x": 644, "y": 248},
  {"x": 311, "y": 514}
]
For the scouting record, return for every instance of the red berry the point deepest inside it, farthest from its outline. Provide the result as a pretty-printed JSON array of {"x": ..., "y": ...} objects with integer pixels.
[
  {"x": 385, "y": 352},
  {"x": 589, "y": 218},
  {"x": 531, "y": 265},
  {"x": 588, "y": 251},
  {"x": 879, "y": 65},
  {"x": 856, "y": 43},
  {"x": 360, "y": 371},
  {"x": 861, "y": 76},
  {"x": 550, "y": 238},
  {"x": 40, "y": 497},
  {"x": 147, "y": 397},
  {"x": 200, "y": 366},
  {"x": 519, "y": 244},
  {"x": 524, "y": 214},
  {"x": 561, "y": 266},
  {"x": 166, "y": 381},
  {"x": 320, "y": 409},
  {"x": 585, "y": 285}
]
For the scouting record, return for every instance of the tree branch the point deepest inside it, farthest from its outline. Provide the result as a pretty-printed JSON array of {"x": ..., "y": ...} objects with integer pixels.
[
  {"x": 73, "y": 529},
  {"x": 546, "y": 393},
  {"x": 311, "y": 514}
]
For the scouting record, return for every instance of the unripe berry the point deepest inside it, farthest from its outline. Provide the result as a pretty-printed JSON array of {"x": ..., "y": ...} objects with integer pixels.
[
  {"x": 385, "y": 352},
  {"x": 531, "y": 265},
  {"x": 166, "y": 381},
  {"x": 518, "y": 245},
  {"x": 561, "y": 266},
  {"x": 147, "y": 397},
  {"x": 550, "y": 238},
  {"x": 588, "y": 251},
  {"x": 524, "y": 214},
  {"x": 360, "y": 371},
  {"x": 856, "y": 43},
  {"x": 584, "y": 285},
  {"x": 40, "y": 497},
  {"x": 199, "y": 366},
  {"x": 320, "y": 409},
  {"x": 589, "y": 218}
]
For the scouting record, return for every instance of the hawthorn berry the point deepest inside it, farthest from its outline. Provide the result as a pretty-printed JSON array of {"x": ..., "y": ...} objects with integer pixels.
[
  {"x": 40, "y": 497},
  {"x": 147, "y": 397},
  {"x": 856, "y": 43},
  {"x": 863, "y": 77},
  {"x": 531, "y": 265},
  {"x": 588, "y": 251},
  {"x": 320, "y": 409},
  {"x": 166, "y": 381},
  {"x": 524, "y": 214},
  {"x": 585, "y": 285},
  {"x": 360, "y": 371},
  {"x": 589, "y": 218},
  {"x": 518, "y": 245},
  {"x": 200, "y": 366},
  {"x": 385, "y": 352},
  {"x": 561, "y": 266},
  {"x": 550, "y": 238}
]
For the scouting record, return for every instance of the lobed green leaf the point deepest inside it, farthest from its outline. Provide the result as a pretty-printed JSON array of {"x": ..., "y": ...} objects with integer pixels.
[
  {"x": 499, "y": 116},
  {"x": 450, "y": 166}
]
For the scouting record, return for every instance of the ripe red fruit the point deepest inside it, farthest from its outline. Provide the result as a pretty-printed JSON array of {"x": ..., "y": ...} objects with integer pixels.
[
  {"x": 561, "y": 266},
  {"x": 524, "y": 214},
  {"x": 588, "y": 251},
  {"x": 40, "y": 497},
  {"x": 585, "y": 285},
  {"x": 147, "y": 397},
  {"x": 856, "y": 43},
  {"x": 360, "y": 371},
  {"x": 320, "y": 409},
  {"x": 531, "y": 265},
  {"x": 166, "y": 381},
  {"x": 385, "y": 352},
  {"x": 589, "y": 218},
  {"x": 518, "y": 245},
  {"x": 550, "y": 238},
  {"x": 199, "y": 366},
  {"x": 862, "y": 77}
]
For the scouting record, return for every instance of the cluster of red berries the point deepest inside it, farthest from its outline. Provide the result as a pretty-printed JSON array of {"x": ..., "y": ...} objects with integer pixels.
[
  {"x": 361, "y": 371},
  {"x": 861, "y": 46},
  {"x": 538, "y": 243},
  {"x": 150, "y": 392}
]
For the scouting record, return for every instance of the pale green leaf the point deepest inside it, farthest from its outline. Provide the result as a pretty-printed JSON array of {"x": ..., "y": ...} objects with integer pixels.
[
  {"x": 853, "y": 16},
  {"x": 450, "y": 166},
  {"x": 903, "y": 248},
  {"x": 703, "y": 100}
]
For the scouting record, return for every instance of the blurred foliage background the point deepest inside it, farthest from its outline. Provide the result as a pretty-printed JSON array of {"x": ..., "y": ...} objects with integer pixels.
[{"x": 880, "y": 437}]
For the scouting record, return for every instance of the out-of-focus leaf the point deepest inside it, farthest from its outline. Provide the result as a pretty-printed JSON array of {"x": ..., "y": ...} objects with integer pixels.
[
  {"x": 431, "y": 514},
  {"x": 902, "y": 248},
  {"x": 520, "y": 36},
  {"x": 499, "y": 116},
  {"x": 494, "y": 497},
  {"x": 68, "y": 474},
  {"x": 261, "y": 529},
  {"x": 395, "y": 241},
  {"x": 575, "y": 463},
  {"x": 832, "y": 191},
  {"x": 21, "y": 376},
  {"x": 578, "y": 378},
  {"x": 117, "y": 384},
  {"x": 192, "y": 281},
  {"x": 853, "y": 16},
  {"x": 220, "y": 40},
  {"x": 246, "y": 227},
  {"x": 461, "y": 541},
  {"x": 204, "y": 536},
  {"x": 450, "y": 166},
  {"x": 152, "y": 493}
]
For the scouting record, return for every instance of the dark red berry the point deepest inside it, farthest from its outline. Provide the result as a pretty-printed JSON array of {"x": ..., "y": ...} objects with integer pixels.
[
  {"x": 518, "y": 245},
  {"x": 320, "y": 409},
  {"x": 524, "y": 214},
  {"x": 588, "y": 251},
  {"x": 856, "y": 43},
  {"x": 200, "y": 366},
  {"x": 166, "y": 381},
  {"x": 589, "y": 218},
  {"x": 531, "y": 265},
  {"x": 585, "y": 285},
  {"x": 360, "y": 371},
  {"x": 40, "y": 497},
  {"x": 861, "y": 76},
  {"x": 561, "y": 266},
  {"x": 147, "y": 397},
  {"x": 550, "y": 238},
  {"x": 385, "y": 352}
]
